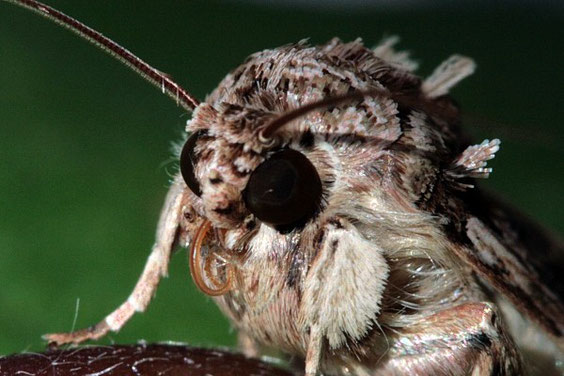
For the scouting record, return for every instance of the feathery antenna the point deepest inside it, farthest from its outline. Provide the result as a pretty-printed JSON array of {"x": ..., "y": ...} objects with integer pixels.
[{"x": 149, "y": 73}]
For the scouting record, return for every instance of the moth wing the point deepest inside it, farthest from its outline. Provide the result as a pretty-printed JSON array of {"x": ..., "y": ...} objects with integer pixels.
[{"x": 519, "y": 259}]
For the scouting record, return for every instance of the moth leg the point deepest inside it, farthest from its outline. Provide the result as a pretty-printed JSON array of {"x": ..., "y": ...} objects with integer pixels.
[
  {"x": 341, "y": 292},
  {"x": 314, "y": 348},
  {"x": 468, "y": 339},
  {"x": 156, "y": 267},
  {"x": 248, "y": 345}
]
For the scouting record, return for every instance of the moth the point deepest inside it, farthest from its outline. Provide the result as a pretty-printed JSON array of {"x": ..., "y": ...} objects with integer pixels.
[{"x": 327, "y": 195}]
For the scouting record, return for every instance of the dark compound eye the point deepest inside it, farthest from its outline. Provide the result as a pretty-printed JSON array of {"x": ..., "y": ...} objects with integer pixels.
[
  {"x": 187, "y": 161},
  {"x": 284, "y": 191}
]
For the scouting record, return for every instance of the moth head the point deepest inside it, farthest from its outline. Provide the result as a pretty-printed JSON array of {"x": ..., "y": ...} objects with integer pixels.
[
  {"x": 280, "y": 155},
  {"x": 239, "y": 175},
  {"x": 242, "y": 183},
  {"x": 262, "y": 178}
]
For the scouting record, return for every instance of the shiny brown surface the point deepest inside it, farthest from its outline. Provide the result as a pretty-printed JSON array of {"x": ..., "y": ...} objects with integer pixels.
[{"x": 138, "y": 360}]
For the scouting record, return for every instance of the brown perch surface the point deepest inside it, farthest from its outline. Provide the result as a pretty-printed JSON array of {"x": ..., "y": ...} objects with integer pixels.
[{"x": 135, "y": 360}]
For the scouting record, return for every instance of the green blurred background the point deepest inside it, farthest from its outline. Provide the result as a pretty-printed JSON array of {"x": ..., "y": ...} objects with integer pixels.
[{"x": 84, "y": 143}]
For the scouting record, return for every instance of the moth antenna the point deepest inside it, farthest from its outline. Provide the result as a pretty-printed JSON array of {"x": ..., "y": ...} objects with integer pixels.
[
  {"x": 149, "y": 73},
  {"x": 420, "y": 102},
  {"x": 196, "y": 265},
  {"x": 273, "y": 126}
]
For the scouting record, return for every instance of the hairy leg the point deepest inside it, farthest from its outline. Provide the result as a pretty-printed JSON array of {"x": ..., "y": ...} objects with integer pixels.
[
  {"x": 341, "y": 273},
  {"x": 314, "y": 348},
  {"x": 247, "y": 345},
  {"x": 155, "y": 268},
  {"x": 468, "y": 339}
]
